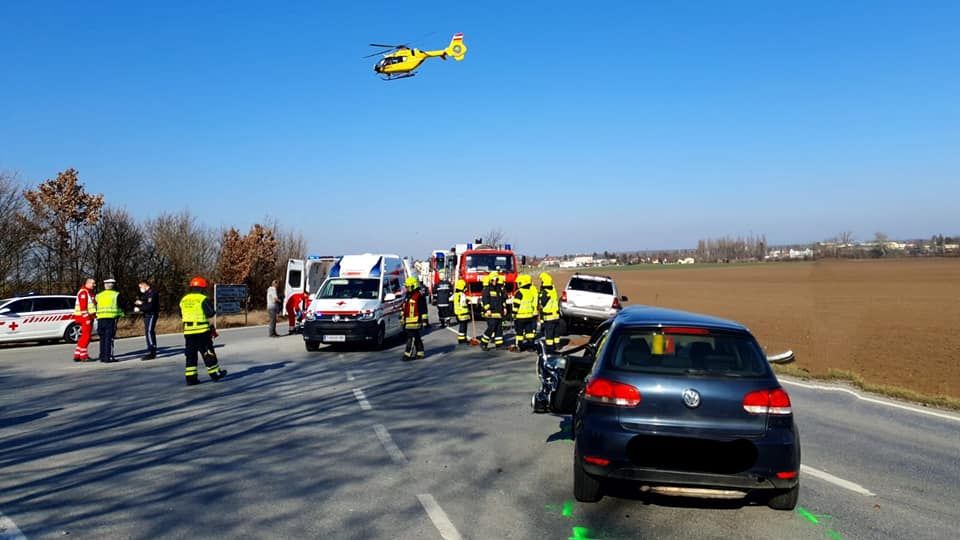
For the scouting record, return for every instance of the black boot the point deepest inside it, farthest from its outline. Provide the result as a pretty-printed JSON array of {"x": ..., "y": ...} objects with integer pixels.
[{"x": 218, "y": 375}]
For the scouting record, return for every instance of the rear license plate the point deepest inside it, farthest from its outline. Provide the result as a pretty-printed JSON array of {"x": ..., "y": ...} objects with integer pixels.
[{"x": 334, "y": 339}]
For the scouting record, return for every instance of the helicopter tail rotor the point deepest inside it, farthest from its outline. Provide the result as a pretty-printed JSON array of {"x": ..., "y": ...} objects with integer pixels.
[{"x": 457, "y": 48}]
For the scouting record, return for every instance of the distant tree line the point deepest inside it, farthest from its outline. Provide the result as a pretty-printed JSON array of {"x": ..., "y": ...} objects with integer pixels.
[{"x": 57, "y": 234}]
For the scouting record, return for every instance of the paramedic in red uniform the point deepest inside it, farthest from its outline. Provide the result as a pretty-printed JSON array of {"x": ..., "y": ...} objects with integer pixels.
[
  {"x": 84, "y": 313},
  {"x": 296, "y": 305}
]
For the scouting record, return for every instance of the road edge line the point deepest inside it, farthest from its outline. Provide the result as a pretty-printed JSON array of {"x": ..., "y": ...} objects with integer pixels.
[{"x": 827, "y": 388}]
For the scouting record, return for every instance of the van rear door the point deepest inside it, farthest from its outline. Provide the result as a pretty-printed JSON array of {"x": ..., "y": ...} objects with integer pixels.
[{"x": 295, "y": 279}]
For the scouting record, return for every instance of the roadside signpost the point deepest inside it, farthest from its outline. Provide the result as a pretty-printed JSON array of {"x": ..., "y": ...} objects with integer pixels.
[{"x": 230, "y": 300}]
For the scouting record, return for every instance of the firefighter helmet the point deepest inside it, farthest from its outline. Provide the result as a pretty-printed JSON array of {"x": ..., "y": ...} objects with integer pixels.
[
  {"x": 411, "y": 283},
  {"x": 523, "y": 280},
  {"x": 461, "y": 285},
  {"x": 546, "y": 279},
  {"x": 198, "y": 282}
]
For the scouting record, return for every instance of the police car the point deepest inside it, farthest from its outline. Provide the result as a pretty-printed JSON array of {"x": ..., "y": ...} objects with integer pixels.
[{"x": 38, "y": 318}]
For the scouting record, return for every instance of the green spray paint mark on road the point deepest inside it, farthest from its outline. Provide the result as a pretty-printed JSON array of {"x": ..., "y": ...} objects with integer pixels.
[
  {"x": 567, "y": 509},
  {"x": 819, "y": 519},
  {"x": 580, "y": 533},
  {"x": 807, "y": 515}
]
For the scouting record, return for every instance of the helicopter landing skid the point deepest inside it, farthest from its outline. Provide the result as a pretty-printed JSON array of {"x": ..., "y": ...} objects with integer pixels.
[{"x": 395, "y": 77}]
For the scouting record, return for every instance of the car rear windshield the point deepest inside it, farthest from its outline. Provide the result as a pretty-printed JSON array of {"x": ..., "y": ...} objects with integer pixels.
[
  {"x": 366, "y": 288},
  {"x": 687, "y": 351},
  {"x": 591, "y": 285}
]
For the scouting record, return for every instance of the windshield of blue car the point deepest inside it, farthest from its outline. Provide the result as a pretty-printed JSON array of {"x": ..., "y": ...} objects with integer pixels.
[
  {"x": 365, "y": 288},
  {"x": 688, "y": 351},
  {"x": 489, "y": 262}
]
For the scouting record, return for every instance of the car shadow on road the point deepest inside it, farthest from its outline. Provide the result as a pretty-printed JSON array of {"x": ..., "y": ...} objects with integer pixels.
[{"x": 23, "y": 419}]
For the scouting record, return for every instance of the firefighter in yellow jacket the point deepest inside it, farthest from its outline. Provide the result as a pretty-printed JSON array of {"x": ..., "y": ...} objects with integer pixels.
[
  {"x": 461, "y": 310},
  {"x": 414, "y": 319},
  {"x": 525, "y": 313},
  {"x": 549, "y": 305},
  {"x": 196, "y": 311}
]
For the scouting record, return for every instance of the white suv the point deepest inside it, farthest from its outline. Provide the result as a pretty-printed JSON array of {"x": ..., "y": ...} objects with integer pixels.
[
  {"x": 38, "y": 318},
  {"x": 589, "y": 300}
]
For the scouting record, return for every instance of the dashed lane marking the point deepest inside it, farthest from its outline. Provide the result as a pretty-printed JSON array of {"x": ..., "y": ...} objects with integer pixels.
[
  {"x": 439, "y": 517},
  {"x": 9, "y": 530},
  {"x": 391, "y": 447},
  {"x": 350, "y": 376},
  {"x": 362, "y": 399},
  {"x": 837, "y": 481},
  {"x": 872, "y": 400}
]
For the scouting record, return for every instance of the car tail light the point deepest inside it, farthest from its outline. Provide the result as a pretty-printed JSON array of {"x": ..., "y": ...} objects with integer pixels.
[
  {"x": 787, "y": 475},
  {"x": 616, "y": 303},
  {"x": 593, "y": 460},
  {"x": 774, "y": 401},
  {"x": 684, "y": 331},
  {"x": 563, "y": 297},
  {"x": 612, "y": 393}
]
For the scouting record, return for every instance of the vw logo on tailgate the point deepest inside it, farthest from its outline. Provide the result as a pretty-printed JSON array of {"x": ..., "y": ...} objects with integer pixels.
[{"x": 691, "y": 398}]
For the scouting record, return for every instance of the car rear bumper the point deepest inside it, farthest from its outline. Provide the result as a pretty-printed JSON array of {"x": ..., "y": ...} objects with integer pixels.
[
  {"x": 352, "y": 331},
  {"x": 778, "y": 451},
  {"x": 587, "y": 314}
]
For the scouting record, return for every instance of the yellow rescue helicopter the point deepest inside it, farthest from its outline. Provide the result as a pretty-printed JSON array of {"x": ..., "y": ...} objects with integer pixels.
[{"x": 401, "y": 61}]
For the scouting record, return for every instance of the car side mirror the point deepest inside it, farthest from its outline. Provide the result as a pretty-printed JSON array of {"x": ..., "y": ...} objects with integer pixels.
[
  {"x": 389, "y": 296},
  {"x": 624, "y": 299},
  {"x": 782, "y": 358}
]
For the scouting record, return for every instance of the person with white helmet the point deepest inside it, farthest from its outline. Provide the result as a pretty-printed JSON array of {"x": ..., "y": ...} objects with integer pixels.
[{"x": 108, "y": 311}]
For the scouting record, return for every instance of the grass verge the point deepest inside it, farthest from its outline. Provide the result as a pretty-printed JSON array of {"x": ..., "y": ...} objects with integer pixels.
[
  {"x": 854, "y": 379},
  {"x": 171, "y": 324}
]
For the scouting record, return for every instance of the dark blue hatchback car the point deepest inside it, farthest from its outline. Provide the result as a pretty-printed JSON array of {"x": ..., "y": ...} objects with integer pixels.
[{"x": 680, "y": 404}]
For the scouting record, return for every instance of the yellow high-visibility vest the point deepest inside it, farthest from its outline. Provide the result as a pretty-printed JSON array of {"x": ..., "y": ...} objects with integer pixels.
[
  {"x": 108, "y": 305},
  {"x": 528, "y": 303},
  {"x": 191, "y": 311},
  {"x": 550, "y": 309}
]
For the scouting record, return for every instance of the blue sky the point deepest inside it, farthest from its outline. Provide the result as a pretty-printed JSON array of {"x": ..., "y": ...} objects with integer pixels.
[{"x": 571, "y": 126}]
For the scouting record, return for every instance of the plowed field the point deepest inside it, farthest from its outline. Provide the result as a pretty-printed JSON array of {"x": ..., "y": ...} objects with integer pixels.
[{"x": 894, "y": 322}]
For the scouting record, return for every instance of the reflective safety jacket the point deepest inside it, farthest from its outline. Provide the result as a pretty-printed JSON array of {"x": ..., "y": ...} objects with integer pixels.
[
  {"x": 414, "y": 311},
  {"x": 108, "y": 305},
  {"x": 195, "y": 320},
  {"x": 443, "y": 290},
  {"x": 549, "y": 303},
  {"x": 85, "y": 305},
  {"x": 494, "y": 301},
  {"x": 525, "y": 302},
  {"x": 461, "y": 308}
]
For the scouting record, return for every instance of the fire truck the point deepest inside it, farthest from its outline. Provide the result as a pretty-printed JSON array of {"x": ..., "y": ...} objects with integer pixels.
[{"x": 473, "y": 262}]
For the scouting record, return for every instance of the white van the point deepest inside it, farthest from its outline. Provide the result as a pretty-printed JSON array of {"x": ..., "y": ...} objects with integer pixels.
[{"x": 360, "y": 301}]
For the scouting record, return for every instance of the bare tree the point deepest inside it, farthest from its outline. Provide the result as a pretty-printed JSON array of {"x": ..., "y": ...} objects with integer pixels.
[
  {"x": 116, "y": 248},
  {"x": 178, "y": 247},
  {"x": 495, "y": 237},
  {"x": 13, "y": 242},
  {"x": 60, "y": 212},
  {"x": 881, "y": 240}
]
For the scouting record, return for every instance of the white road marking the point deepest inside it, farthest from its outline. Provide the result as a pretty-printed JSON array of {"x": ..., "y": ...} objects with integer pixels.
[
  {"x": 845, "y": 484},
  {"x": 350, "y": 376},
  {"x": 387, "y": 441},
  {"x": 9, "y": 530},
  {"x": 439, "y": 517},
  {"x": 362, "y": 398},
  {"x": 873, "y": 400}
]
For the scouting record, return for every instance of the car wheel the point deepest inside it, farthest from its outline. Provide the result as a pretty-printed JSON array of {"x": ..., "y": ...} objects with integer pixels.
[
  {"x": 72, "y": 333},
  {"x": 785, "y": 500},
  {"x": 586, "y": 488},
  {"x": 381, "y": 339},
  {"x": 311, "y": 345}
]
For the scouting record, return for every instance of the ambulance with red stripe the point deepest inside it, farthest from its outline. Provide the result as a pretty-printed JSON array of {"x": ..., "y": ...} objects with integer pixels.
[
  {"x": 38, "y": 318},
  {"x": 359, "y": 302}
]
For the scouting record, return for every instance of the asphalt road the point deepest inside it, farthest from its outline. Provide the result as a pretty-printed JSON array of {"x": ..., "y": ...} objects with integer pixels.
[{"x": 357, "y": 444}]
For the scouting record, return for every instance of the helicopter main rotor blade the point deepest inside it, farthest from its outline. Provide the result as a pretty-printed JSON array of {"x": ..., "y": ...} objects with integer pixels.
[
  {"x": 386, "y": 46},
  {"x": 376, "y": 54}
]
